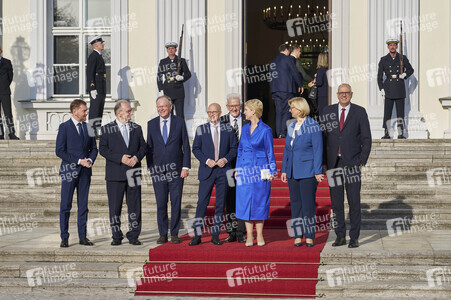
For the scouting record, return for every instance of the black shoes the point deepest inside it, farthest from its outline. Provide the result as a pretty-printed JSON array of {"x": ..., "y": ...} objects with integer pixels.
[
  {"x": 12, "y": 136},
  {"x": 401, "y": 137},
  {"x": 340, "y": 241},
  {"x": 231, "y": 238},
  {"x": 64, "y": 243},
  {"x": 86, "y": 242},
  {"x": 116, "y": 242},
  {"x": 215, "y": 240},
  {"x": 241, "y": 239},
  {"x": 135, "y": 242},
  {"x": 162, "y": 239},
  {"x": 353, "y": 244},
  {"x": 195, "y": 241},
  {"x": 175, "y": 239}
]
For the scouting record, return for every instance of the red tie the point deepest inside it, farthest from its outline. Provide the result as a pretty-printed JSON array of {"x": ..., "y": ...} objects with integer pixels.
[
  {"x": 342, "y": 122},
  {"x": 342, "y": 118}
]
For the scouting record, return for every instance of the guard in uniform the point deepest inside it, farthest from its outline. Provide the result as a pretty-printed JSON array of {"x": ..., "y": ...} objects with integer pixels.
[
  {"x": 170, "y": 81},
  {"x": 96, "y": 83},
  {"x": 393, "y": 88}
]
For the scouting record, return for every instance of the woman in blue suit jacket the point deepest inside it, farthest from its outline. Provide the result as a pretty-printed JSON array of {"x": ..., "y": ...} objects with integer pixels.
[
  {"x": 255, "y": 168},
  {"x": 302, "y": 166}
]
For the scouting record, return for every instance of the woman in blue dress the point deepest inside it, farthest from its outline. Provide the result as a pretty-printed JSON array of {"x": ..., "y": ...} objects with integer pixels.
[{"x": 255, "y": 169}]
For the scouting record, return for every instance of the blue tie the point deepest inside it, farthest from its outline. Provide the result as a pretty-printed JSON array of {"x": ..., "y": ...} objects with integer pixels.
[{"x": 165, "y": 131}]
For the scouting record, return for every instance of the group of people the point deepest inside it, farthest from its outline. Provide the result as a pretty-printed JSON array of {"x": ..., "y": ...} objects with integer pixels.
[{"x": 234, "y": 145}]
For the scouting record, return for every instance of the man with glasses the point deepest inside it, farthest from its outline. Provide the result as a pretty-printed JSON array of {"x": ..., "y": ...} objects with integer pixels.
[
  {"x": 347, "y": 137},
  {"x": 215, "y": 147},
  {"x": 236, "y": 119},
  {"x": 169, "y": 161},
  {"x": 96, "y": 83}
]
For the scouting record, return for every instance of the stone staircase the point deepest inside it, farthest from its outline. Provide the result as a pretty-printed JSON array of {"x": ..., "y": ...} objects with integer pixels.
[{"x": 395, "y": 191}]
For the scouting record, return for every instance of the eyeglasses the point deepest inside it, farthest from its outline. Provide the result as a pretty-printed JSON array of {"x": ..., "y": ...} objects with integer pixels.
[
  {"x": 163, "y": 106},
  {"x": 344, "y": 93}
]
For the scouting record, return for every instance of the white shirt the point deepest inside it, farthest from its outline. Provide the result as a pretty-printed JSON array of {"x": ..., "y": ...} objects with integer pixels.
[
  {"x": 296, "y": 128},
  {"x": 76, "y": 126},
  {"x": 238, "y": 121},
  {"x": 127, "y": 125},
  {"x": 346, "y": 111},
  {"x": 98, "y": 51},
  {"x": 168, "y": 124},
  {"x": 212, "y": 131}
]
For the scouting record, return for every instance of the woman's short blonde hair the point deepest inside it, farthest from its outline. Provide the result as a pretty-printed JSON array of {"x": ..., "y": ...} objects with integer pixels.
[
  {"x": 300, "y": 104},
  {"x": 322, "y": 61},
  {"x": 255, "y": 105}
]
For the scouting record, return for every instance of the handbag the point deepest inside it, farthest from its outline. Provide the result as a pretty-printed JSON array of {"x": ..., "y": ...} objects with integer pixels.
[{"x": 312, "y": 100}]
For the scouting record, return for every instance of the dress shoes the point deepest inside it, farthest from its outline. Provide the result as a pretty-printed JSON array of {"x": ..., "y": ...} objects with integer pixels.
[
  {"x": 299, "y": 244},
  {"x": 135, "y": 242},
  {"x": 401, "y": 137},
  {"x": 12, "y": 136},
  {"x": 353, "y": 244},
  {"x": 116, "y": 242},
  {"x": 175, "y": 239},
  {"x": 215, "y": 240},
  {"x": 241, "y": 239},
  {"x": 231, "y": 238},
  {"x": 64, "y": 243},
  {"x": 2, "y": 137},
  {"x": 309, "y": 244},
  {"x": 162, "y": 239},
  {"x": 340, "y": 241},
  {"x": 195, "y": 241},
  {"x": 86, "y": 242}
]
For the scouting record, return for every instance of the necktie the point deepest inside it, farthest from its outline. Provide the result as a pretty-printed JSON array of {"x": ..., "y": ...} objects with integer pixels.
[
  {"x": 342, "y": 122},
  {"x": 80, "y": 129},
  {"x": 125, "y": 134},
  {"x": 235, "y": 128},
  {"x": 165, "y": 131},
  {"x": 216, "y": 142}
]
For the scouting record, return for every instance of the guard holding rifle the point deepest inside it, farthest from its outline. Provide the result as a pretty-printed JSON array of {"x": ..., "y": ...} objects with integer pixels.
[
  {"x": 396, "y": 68},
  {"x": 96, "y": 83},
  {"x": 172, "y": 73}
]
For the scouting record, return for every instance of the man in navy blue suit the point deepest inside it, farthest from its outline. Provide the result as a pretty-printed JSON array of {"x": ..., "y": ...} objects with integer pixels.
[
  {"x": 169, "y": 161},
  {"x": 348, "y": 141},
  {"x": 215, "y": 146},
  {"x": 78, "y": 152},
  {"x": 123, "y": 146},
  {"x": 284, "y": 86}
]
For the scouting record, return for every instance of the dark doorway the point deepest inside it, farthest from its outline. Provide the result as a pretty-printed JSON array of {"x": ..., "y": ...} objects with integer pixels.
[{"x": 266, "y": 29}]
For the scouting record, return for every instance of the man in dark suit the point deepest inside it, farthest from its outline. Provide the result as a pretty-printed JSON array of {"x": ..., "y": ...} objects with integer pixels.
[
  {"x": 215, "y": 147},
  {"x": 123, "y": 146},
  {"x": 96, "y": 82},
  {"x": 348, "y": 144},
  {"x": 393, "y": 87},
  {"x": 6, "y": 77},
  {"x": 169, "y": 161},
  {"x": 78, "y": 152},
  {"x": 170, "y": 81},
  {"x": 235, "y": 227},
  {"x": 284, "y": 86}
]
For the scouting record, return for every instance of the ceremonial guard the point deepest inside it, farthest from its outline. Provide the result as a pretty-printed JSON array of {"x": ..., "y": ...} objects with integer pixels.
[
  {"x": 96, "y": 82},
  {"x": 171, "y": 76},
  {"x": 396, "y": 68}
]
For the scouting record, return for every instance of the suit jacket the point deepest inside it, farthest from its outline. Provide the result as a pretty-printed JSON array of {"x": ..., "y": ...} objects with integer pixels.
[
  {"x": 203, "y": 147},
  {"x": 304, "y": 158},
  {"x": 96, "y": 73},
  {"x": 112, "y": 146},
  {"x": 322, "y": 83},
  {"x": 226, "y": 119},
  {"x": 176, "y": 150},
  {"x": 301, "y": 70},
  {"x": 354, "y": 140},
  {"x": 71, "y": 147},
  {"x": 288, "y": 79},
  {"x": 6, "y": 76},
  {"x": 393, "y": 85},
  {"x": 167, "y": 69}
]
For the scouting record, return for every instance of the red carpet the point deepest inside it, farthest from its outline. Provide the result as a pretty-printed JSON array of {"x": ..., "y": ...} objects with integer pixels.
[{"x": 277, "y": 269}]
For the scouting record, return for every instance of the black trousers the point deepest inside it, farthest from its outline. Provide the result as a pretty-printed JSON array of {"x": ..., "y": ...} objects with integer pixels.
[
  {"x": 349, "y": 178},
  {"x": 179, "y": 105},
  {"x": 96, "y": 111},
  {"x": 233, "y": 225},
  {"x": 5, "y": 101},
  {"x": 388, "y": 109},
  {"x": 282, "y": 111},
  {"x": 116, "y": 191}
]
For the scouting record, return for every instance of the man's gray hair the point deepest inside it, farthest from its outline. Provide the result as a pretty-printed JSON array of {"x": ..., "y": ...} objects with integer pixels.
[
  {"x": 167, "y": 97},
  {"x": 347, "y": 84},
  {"x": 118, "y": 105},
  {"x": 233, "y": 96}
]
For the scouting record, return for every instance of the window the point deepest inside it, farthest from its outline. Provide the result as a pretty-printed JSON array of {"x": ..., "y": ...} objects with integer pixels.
[{"x": 75, "y": 22}]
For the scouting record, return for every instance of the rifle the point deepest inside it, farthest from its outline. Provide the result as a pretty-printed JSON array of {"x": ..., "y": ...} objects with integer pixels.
[
  {"x": 401, "y": 58},
  {"x": 179, "y": 63}
]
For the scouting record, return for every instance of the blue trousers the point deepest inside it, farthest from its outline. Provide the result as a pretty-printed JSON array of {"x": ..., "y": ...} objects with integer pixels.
[
  {"x": 282, "y": 111},
  {"x": 303, "y": 210}
]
